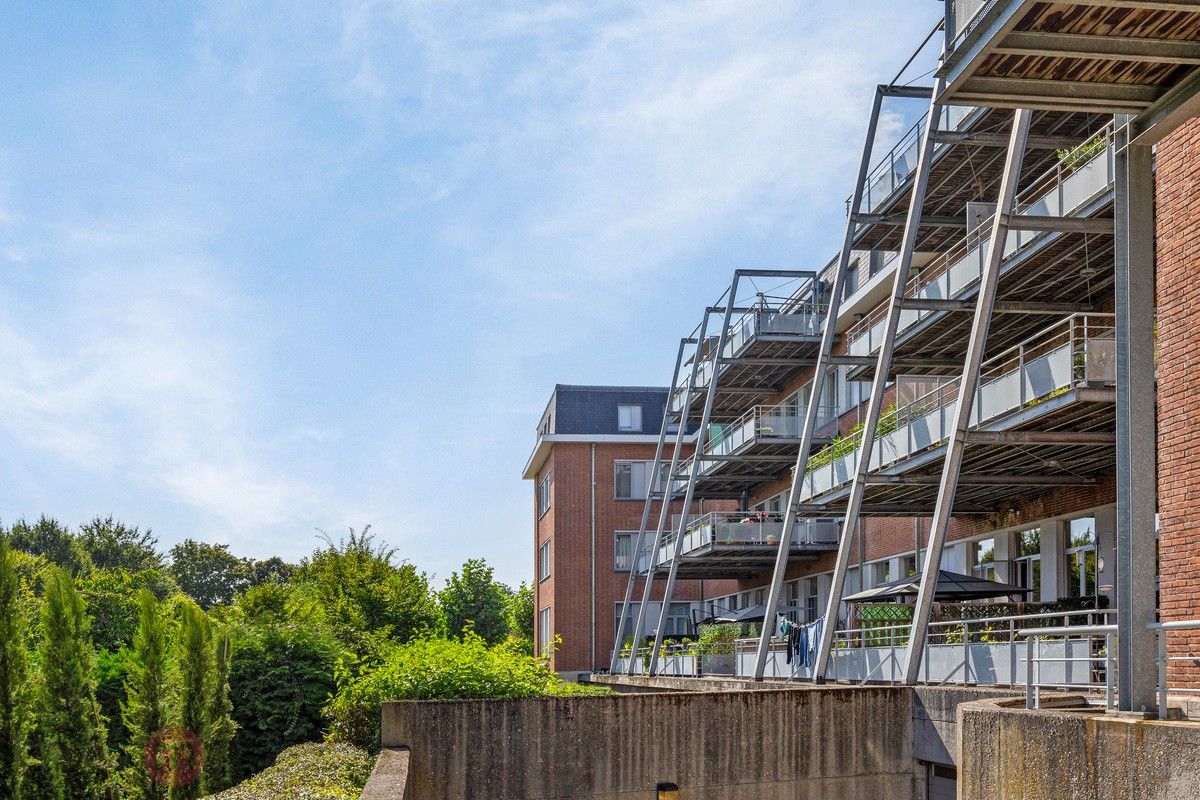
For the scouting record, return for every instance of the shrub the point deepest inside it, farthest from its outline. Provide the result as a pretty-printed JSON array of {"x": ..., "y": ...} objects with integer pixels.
[
  {"x": 438, "y": 669},
  {"x": 310, "y": 771}
]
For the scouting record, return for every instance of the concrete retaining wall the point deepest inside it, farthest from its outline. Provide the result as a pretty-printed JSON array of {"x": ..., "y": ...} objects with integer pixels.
[
  {"x": 1008, "y": 753},
  {"x": 833, "y": 743}
]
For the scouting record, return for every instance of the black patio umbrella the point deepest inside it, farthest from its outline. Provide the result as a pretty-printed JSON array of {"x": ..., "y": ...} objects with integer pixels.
[
  {"x": 748, "y": 614},
  {"x": 950, "y": 586}
]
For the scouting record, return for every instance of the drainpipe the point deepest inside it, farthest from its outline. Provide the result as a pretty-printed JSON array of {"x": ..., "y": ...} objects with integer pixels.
[{"x": 594, "y": 557}]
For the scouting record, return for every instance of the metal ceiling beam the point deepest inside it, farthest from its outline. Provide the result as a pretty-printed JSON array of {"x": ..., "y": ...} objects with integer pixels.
[
  {"x": 1174, "y": 108},
  {"x": 897, "y": 219},
  {"x": 770, "y": 362},
  {"x": 1041, "y": 437},
  {"x": 1000, "y": 140},
  {"x": 1079, "y": 45},
  {"x": 1027, "y": 90},
  {"x": 1002, "y": 307},
  {"x": 1037, "y": 222},
  {"x": 1143, "y": 5},
  {"x": 910, "y": 92},
  {"x": 981, "y": 480}
]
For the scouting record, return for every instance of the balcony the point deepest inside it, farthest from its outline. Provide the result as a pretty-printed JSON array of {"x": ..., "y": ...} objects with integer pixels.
[
  {"x": 1109, "y": 57},
  {"x": 1071, "y": 188},
  {"x": 756, "y": 359},
  {"x": 1052, "y": 369},
  {"x": 742, "y": 544},
  {"x": 893, "y": 170}
]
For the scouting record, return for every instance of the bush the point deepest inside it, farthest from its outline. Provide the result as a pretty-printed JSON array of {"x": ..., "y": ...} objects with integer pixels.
[
  {"x": 309, "y": 771},
  {"x": 279, "y": 678},
  {"x": 438, "y": 669}
]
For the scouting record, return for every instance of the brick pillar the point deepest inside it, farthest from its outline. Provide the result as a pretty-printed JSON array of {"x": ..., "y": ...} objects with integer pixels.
[{"x": 1177, "y": 201}]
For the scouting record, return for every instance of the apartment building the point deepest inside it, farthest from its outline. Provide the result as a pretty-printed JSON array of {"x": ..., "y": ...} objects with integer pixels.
[
  {"x": 592, "y": 469},
  {"x": 969, "y": 384}
]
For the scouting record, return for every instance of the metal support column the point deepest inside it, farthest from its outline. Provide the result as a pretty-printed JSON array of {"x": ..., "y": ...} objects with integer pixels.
[
  {"x": 668, "y": 490},
  {"x": 698, "y": 449},
  {"x": 967, "y": 388},
  {"x": 1137, "y": 452},
  {"x": 828, "y": 334},
  {"x": 618, "y": 642},
  {"x": 912, "y": 224}
]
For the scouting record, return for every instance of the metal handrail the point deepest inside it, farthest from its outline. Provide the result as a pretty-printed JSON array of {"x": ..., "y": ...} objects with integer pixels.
[
  {"x": 1161, "y": 631},
  {"x": 1034, "y": 659}
]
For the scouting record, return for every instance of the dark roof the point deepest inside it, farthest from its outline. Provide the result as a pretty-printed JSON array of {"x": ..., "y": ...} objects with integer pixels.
[{"x": 592, "y": 410}]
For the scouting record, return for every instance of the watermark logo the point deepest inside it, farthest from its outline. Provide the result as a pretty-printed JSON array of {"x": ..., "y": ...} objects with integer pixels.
[{"x": 173, "y": 757}]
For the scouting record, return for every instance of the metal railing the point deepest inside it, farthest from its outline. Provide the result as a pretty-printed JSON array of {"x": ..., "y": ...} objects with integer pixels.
[
  {"x": 960, "y": 18},
  {"x": 1090, "y": 634},
  {"x": 733, "y": 529},
  {"x": 1076, "y": 351},
  {"x": 781, "y": 421},
  {"x": 1075, "y": 180},
  {"x": 1162, "y": 631}
]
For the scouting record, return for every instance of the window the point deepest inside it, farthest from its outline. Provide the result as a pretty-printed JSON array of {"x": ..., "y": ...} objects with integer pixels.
[
  {"x": 631, "y": 479},
  {"x": 881, "y": 573},
  {"x": 543, "y": 498},
  {"x": 908, "y": 566},
  {"x": 623, "y": 552},
  {"x": 983, "y": 559},
  {"x": 1027, "y": 563},
  {"x": 629, "y": 418},
  {"x": 1081, "y": 557},
  {"x": 544, "y": 633},
  {"x": 679, "y": 619},
  {"x": 810, "y": 601},
  {"x": 544, "y": 561}
]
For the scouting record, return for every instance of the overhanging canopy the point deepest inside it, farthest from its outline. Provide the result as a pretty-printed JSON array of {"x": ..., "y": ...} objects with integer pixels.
[{"x": 950, "y": 586}]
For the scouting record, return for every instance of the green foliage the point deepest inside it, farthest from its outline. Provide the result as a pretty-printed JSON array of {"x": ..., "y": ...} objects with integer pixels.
[
  {"x": 111, "y": 671},
  {"x": 221, "y": 727},
  {"x": 280, "y": 676},
  {"x": 363, "y": 591},
  {"x": 520, "y": 615},
  {"x": 308, "y": 771},
  {"x": 475, "y": 601},
  {"x": 74, "y": 730},
  {"x": 1081, "y": 154},
  {"x": 112, "y": 607},
  {"x": 47, "y": 537},
  {"x": 15, "y": 711},
  {"x": 113, "y": 545},
  {"x": 144, "y": 710},
  {"x": 208, "y": 573},
  {"x": 434, "y": 669},
  {"x": 195, "y": 667}
]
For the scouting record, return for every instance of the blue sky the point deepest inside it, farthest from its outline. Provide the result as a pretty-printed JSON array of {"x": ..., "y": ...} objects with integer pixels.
[{"x": 268, "y": 268}]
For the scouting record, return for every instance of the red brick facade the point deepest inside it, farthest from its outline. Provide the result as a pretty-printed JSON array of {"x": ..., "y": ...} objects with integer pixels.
[
  {"x": 1177, "y": 199},
  {"x": 567, "y": 525}
]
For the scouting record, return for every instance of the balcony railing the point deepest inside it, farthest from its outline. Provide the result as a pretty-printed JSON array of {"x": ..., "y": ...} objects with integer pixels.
[
  {"x": 1074, "y": 182},
  {"x": 748, "y": 529},
  {"x": 1079, "y": 350},
  {"x": 960, "y": 18},
  {"x": 891, "y": 171},
  {"x": 782, "y": 421}
]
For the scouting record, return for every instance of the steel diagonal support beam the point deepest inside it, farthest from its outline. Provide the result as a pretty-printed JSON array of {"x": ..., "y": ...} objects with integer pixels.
[
  {"x": 828, "y": 336},
  {"x": 665, "y": 508},
  {"x": 641, "y": 537},
  {"x": 1137, "y": 453},
  {"x": 883, "y": 368},
  {"x": 701, "y": 435},
  {"x": 968, "y": 386}
]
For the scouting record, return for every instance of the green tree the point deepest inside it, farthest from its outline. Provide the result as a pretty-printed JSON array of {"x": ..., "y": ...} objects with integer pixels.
[
  {"x": 196, "y": 665},
  {"x": 49, "y": 538},
  {"x": 14, "y": 681},
  {"x": 362, "y": 590},
  {"x": 520, "y": 615},
  {"x": 74, "y": 728},
  {"x": 280, "y": 675},
  {"x": 144, "y": 711},
  {"x": 473, "y": 600},
  {"x": 221, "y": 727},
  {"x": 208, "y": 573},
  {"x": 269, "y": 570},
  {"x": 112, "y": 545}
]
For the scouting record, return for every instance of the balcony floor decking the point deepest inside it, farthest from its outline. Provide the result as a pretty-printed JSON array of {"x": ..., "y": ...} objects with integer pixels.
[{"x": 764, "y": 366}]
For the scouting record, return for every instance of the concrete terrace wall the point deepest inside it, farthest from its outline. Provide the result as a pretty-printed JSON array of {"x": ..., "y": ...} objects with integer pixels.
[
  {"x": 832, "y": 744},
  {"x": 1008, "y": 753}
]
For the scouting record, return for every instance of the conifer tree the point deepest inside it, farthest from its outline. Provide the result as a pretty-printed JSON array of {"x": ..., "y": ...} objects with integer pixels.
[
  {"x": 195, "y": 678},
  {"x": 144, "y": 711},
  {"x": 221, "y": 727},
  {"x": 73, "y": 726},
  {"x": 14, "y": 682}
]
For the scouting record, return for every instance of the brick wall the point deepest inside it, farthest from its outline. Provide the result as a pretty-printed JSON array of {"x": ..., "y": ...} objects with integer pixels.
[
  {"x": 568, "y": 526},
  {"x": 1177, "y": 197}
]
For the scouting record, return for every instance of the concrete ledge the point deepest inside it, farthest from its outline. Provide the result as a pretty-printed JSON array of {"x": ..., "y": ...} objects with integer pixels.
[
  {"x": 672, "y": 683},
  {"x": 389, "y": 779},
  {"x": 1073, "y": 752}
]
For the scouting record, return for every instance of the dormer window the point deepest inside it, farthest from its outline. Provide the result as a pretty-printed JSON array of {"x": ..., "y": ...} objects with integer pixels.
[{"x": 629, "y": 418}]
